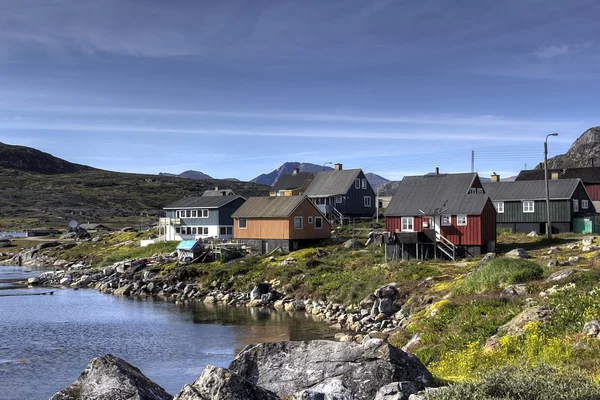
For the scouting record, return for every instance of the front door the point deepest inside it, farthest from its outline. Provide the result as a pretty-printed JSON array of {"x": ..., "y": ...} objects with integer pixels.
[{"x": 437, "y": 223}]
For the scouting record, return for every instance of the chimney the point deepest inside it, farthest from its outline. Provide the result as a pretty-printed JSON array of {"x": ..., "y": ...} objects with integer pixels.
[
  {"x": 495, "y": 177},
  {"x": 296, "y": 171},
  {"x": 437, "y": 170},
  {"x": 338, "y": 167}
]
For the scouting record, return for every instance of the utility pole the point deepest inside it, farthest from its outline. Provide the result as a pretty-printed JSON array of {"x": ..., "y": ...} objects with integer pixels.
[
  {"x": 549, "y": 227},
  {"x": 377, "y": 206}
]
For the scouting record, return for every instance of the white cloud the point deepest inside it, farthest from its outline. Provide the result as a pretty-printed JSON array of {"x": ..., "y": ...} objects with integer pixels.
[{"x": 551, "y": 51}]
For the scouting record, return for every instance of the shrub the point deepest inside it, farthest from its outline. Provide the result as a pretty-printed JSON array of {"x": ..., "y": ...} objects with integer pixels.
[
  {"x": 499, "y": 273},
  {"x": 539, "y": 383}
]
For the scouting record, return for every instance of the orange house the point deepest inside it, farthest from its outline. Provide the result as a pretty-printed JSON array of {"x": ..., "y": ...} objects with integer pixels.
[{"x": 289, "y": 222}]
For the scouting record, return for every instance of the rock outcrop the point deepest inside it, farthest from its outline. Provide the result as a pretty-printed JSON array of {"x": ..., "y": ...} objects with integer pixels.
[
  {"x": 287, "y": 368},
  {"x": 583, "y": 151},
  {"x": 221, "y": 384},
  {"x": 111, "y": 378}
]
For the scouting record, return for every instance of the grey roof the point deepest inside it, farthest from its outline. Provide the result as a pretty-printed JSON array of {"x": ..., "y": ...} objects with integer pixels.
[
  {"x": 292, "y": 181},
  {"x": 559, "y": 189},
  {"x": 202, "y": 202},
  {"x": 219, "y": 192},
  {"x": 436, "y": 194},
  {"x": 586, "y": 174},
  {"x": 269, "y": 207},
  {"x": 332, "y": 183}
]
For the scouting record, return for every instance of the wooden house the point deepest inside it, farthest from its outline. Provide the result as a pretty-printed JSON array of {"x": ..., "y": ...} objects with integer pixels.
[
  {"x": 441, "y": 215},
  {"x": 203, "y": 217},
  {"x": 293, "y": 184},
  {"x": 343, "y": 195},
  {"x": 218, "y": 192},
  {"x": 288, "y": 222},
  {"x": 521, "y": 205}
]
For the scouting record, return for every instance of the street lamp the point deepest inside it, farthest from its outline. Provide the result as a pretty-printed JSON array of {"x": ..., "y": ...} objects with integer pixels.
[{"x": 549, "y": 224}]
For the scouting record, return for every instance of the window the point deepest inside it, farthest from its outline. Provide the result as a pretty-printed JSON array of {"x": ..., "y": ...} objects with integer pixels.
[
  {"x": 528, "y": 206},
  {"x": 357, "y": 183},
  {"x": 310, "y": 220},
  {"x": 206, "y": 230},
  {"x": 194, "y": 213},
  {"x": 575, "y": 205},
  {"x": 446, "y": 220},
  {"x": 188, "y": 214},
  {"x": 204, "y": 214},
  {"x": 318, "y": 223},
  {"x": 230, "y": 230},
  {"x": 408, "y": 224},
  {"x": 177, "y": 230},
  {"x": 364, "y": 183},
  {"x": 461, "y": 220},
  {"x": 194, "y": 230},
  {"x": 242, "y": 223},
  {"x": 338, "y": 199},
  {"x": 223, "y": 230},
  {"x": 180, "y": 214},
  {"x": 367, "y": 201},
  {"x": 554, "y": 175},
  {"x": 479, "y": 191},
  {"x": 297, "y": 222},
  {"x": 473, "y": 191},
  {"x": 499, "y": 207},
  {"x": 584, "y": 204}
]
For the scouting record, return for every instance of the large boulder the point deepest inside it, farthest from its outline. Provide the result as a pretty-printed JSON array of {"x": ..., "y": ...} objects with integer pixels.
[
  {"x": 111, "y": 378},
  {"x": 287, "y": 368},
  {"x": 517, "y": 253},
  {"x": 221, "y": 384}
]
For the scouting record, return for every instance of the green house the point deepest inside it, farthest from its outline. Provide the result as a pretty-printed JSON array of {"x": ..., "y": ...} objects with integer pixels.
[{"x": 521, "y": 205}]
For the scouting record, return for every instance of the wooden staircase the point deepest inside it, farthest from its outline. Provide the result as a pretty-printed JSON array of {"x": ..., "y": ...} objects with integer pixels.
[
  {"x": 445, "y": 246},
  {"x": 336, "y": 216}
]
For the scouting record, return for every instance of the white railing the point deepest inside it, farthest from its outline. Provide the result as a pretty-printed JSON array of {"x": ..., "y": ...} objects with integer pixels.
[{"x": 445, "y": 246}]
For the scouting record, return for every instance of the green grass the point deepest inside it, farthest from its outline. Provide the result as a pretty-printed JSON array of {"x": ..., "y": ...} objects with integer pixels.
[
  {"x": 539, "y": 383},
  {"x": 499, "y": 273}
]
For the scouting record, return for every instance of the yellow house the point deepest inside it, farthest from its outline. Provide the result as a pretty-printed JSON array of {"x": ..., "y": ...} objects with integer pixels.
[{"x": 293, "y": 184}]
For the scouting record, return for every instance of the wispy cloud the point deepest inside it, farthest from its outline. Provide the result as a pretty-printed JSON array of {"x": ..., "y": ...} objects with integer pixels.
[{"x": 551, "y": 51}]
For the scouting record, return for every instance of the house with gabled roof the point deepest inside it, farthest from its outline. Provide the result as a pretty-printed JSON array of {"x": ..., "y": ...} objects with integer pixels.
[
  {"x": 343, "y": 195},
  {"x": 440, "y": 216},
  {"x": 521, "y": 205},
  {"x": 293, "y": 184},
  {"x": 287, "y": 222},
  {"x": 202, "y": 217},
  {"x": 218, "y": 192}
]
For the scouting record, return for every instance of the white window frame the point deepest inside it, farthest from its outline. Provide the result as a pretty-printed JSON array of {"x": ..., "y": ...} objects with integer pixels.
[
  {"x": 365, "y": 198},
  {"x": 206, "y": 230},
  {"x": 309, "y": 220},
  {"x": 364, "y": 183},
  {"x": 204, "y": 213},
  {"x": 526, "y": 206},
  {"x": 357, "y": 183},
  {"x": 296, "y": 219},
  {"x": 479, "y": 190},
  {"x": 585, "y": 204},
  {"x": 575, "y": 205},
  {"x": 320, "y": 219},
  {"x": 448, "y": 222},
  {"x": 338, "y": 199},
  {"x": 410, "y": 224},
  {"x": 473, "y": 190},
  {"x": 240, "y": 223},
  {"x": 499, "y": 207},
  {"x": 461, "y": 220}
]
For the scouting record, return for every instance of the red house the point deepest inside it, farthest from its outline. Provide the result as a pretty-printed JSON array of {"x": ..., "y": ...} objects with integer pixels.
[{"x": 440, "y": 216}]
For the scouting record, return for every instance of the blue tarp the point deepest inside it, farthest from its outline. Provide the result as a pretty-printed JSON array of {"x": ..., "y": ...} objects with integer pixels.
[{"x": 186, "y": 245}]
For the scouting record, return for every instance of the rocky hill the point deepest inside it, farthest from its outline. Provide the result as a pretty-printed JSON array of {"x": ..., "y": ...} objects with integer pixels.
[
  {"x": 190, "y": 174},
  {"x": 287, "y": 168},
  {"x": 584, "y": 152},
  {"x": 32, "y": 160}
]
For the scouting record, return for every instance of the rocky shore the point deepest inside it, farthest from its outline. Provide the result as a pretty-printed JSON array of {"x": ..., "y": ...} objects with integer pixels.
[
  {"x": 378, "y": 313},
  {"x": 286, "y": 370}
]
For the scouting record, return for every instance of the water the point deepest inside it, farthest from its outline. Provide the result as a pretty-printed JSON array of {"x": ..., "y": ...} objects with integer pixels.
[{"x": 46, "y": 341}]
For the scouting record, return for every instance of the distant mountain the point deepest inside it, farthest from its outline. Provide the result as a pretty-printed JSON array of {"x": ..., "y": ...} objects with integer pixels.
[
  {"x": 32, "y": 160},
  {"x": 376, "y": 180},
  {"x": 190, "y": 174},
  {"x": 287, "y": 168},
  {"x": 584, "y": 152}
]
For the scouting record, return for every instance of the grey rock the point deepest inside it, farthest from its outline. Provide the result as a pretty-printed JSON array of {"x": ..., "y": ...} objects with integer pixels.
[
  {"x": 514, "y": 290},
  {"x": 588, "y": 241},
  {"x": 291, "y": 367},
  {"x": 533, "y": 314},
  {"x": 386, "y": 306},
  {"x": 259, "y": 290},
  {"x": 352, "y": 244},
  {"x": 33, "y": 281},
  {"x": 552, "y": 263},
  {"x": 563, "y": 274},
  {"x": 221, "y": 384},
  {"x": 397, "y": 391},
  {"x": 124, "y": 290},
  {"x": 487, "y": 258},
  {"x": 517, "y": 253},
  {"x": 66, "y": 281},
  {"x": 332, "y": 389},
  {"x": 533, "y": 234},
  {"x": 591, "y": 328},
  {"x": 108, "y": 271},
  {"x": 111, "y": 378}
]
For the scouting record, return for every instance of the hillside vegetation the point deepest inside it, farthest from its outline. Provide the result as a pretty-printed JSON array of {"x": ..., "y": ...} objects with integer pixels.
[{"x": 36, "y": 200}]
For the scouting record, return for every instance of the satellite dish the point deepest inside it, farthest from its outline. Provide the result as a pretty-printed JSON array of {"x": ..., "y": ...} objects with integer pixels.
[{"x": 73, "y": 224}]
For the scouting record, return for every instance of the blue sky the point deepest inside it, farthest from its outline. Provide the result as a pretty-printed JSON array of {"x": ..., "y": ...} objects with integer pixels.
[{"x": 236, "y": 88}]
